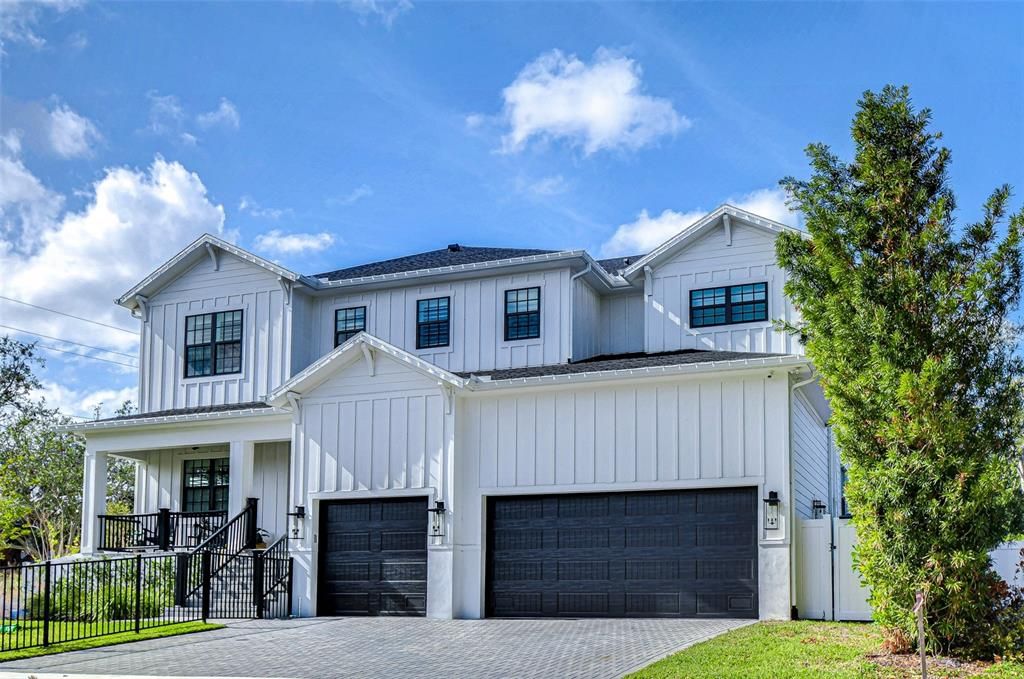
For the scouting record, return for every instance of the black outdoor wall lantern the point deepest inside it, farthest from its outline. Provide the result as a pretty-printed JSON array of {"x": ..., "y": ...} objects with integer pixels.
[
  {"x": 297, "y": 522},
  {"x": 437, "y": 520},
  {"x": 771, "y": 511}
]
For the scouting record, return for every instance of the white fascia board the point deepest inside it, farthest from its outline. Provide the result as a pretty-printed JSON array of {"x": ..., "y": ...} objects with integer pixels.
[
  {"x": 458, "y": 269},
  {"x": 690, "y": 369},
  {"x": 315, "y": 373},
  {"x": 698, "y": 227},
  {"x": 85, "y": 427},
  {"x": 128, "y": 299}
]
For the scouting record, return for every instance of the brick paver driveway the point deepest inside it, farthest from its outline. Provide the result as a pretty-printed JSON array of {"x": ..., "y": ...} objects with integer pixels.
[{"x": 393, "y": 647}]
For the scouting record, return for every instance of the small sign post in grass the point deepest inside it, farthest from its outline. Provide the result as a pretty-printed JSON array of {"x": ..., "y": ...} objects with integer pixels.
[{"x": 919, "y": 611}]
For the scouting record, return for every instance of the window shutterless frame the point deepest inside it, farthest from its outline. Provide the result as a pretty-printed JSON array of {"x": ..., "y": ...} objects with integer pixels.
[
  {"x": 522, "y": 314},
  {"x": 348, "y": 323},
  {"x": 205, "y": 485},
  {"x": 433, "y": 322},
  {"x": 213, "y": 343},
  {"x": 729, "y": 305}
]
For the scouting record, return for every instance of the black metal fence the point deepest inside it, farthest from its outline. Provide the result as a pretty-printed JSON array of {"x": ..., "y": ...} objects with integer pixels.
[{"x": 54, "y": 602}]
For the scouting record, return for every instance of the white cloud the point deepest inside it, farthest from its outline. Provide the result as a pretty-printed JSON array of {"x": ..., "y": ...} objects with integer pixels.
[
  {"x": 600, "y": 105},
  {"x": 225, "y": 115},
  {"x": 71, "y": 134},
  {"x": 387, "y": 11},
  {"x": 80, "y": 261},
  {"x": 646, "y": 232},
  {"x": 279, "y": 243},
  {"x": 354, "y": 196},
  {"x": 547, "y": 186},
  {"x": 166, "y": 114},
  {"x": 250, "y": 206},
  {"x": 82, "y": 402},
  {"x": 19, "y": 20}
]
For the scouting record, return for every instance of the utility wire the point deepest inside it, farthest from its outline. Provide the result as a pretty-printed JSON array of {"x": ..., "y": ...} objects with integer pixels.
[
  {"x": 67, "y": 341},
  {"x": 95, "y": 358},
  {"x": 62, "y": 313}
]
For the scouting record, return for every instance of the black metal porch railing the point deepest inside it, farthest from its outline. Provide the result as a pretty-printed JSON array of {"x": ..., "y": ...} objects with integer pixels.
[
  {"x": 272, "y": 580},
  {"x": 218, "y": 550},
  {"x": 163, "y": 530}
]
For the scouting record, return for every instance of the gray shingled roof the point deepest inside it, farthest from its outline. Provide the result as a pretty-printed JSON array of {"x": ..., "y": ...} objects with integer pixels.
[
  {"x": 430, "y": 260},
  {"x": 617, "y": 264},
  {"x": 198, "y": 410},
  {"x": 620, "y": 362}
]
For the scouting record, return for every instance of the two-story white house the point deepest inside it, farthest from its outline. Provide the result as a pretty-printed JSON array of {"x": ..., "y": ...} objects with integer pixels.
[{"x": 476, "y": 432}]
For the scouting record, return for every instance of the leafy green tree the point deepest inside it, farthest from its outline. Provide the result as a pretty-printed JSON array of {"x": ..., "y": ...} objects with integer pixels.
[
  {"x": 17, "y": 380},
  {"x": 906, "y": 318}
]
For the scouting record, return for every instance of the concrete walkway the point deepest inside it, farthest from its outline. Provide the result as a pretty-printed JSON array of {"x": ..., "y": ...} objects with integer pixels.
[{"x": 390, "y": 647}]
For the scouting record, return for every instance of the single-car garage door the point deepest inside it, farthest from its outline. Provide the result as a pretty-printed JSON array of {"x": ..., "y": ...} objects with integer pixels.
[
  {"x": 373, "y": 557},
  {"x": 651, "y": 554}
]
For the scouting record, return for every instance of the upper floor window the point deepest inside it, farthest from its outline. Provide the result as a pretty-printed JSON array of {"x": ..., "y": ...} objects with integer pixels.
[
  {"x": 433, "y": 328},
  {"x": 522, "y": 314},
  {"x": 213, "y": 344},
  {"x": 348, "y": 323},
  {"x": 729, "y": 304}
]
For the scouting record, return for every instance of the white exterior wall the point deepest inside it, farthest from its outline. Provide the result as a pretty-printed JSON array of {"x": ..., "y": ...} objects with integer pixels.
[
  {"x": 622, "y": 323},
  {"x": 360, "y": 436},
  {"x": 266, "y": 344},
  {"x": 586, "y": 321},
  {"x": 811, "y": 452},
  {"x": 707, "y": 262},
  {"x": 477, "y": 320},
  {"x": 662, "y": 434}
]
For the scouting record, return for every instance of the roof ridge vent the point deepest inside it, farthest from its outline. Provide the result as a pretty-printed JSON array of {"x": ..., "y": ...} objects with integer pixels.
[{"x": 454, "y": 247}]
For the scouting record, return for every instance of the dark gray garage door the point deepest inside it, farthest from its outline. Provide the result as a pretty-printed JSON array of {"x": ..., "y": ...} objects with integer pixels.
[
  {"x": 373, "y": 557},
  {"x": 658, "y": 554}
]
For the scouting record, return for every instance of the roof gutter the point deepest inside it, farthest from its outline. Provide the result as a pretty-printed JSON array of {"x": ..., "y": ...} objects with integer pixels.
[{"x": 80, "y": 427}]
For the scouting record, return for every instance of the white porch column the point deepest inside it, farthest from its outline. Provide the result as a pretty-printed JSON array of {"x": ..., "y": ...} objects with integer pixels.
[
  {"x": 94, "y": 497},
  {"x": 242, "y": 462}
]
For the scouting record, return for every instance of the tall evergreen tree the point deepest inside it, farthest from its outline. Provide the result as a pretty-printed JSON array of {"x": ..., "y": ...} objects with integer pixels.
[{"x": 907, "y": 320}]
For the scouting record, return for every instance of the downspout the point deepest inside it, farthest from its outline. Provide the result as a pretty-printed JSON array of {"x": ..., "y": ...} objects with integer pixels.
[{"x": 572, "y": 303}]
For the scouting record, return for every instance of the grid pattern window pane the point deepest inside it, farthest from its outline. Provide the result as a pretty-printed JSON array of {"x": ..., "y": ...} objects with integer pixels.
[
  {"x": 522, "y": 313},
  {"x": 213, "y": 343},
  {"x": 432, "y": 323},
  {"x": 348, "y": 323},
  {"x": 205, "y": 485},
  {"x": 726, "y": 305}
]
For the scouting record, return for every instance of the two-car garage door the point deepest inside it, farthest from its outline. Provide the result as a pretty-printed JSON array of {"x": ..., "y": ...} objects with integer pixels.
[
  {"x": 650, "y": 554},
  {"x": 645, "y": 554}
]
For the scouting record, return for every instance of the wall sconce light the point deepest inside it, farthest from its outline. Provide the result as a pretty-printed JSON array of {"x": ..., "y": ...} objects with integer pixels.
[
  {"x": 297, "y": 523},
  {"x": 437, "y": 521},
  {"x": 771, "y": 511},
  {"x": 817, "y": 509}
]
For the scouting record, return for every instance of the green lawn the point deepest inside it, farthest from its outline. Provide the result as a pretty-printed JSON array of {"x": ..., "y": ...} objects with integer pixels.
[
  {"x": 785, "y": 650},
  {"x": 63, "y": 630}
]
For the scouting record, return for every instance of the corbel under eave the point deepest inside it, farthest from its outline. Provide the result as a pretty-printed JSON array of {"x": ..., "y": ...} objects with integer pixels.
[
  {"x": 447, "y": 395},
  {"x": 142, "y": 302},
  {"x": 368, "y": 354},
  {"x": 293, "y": 400},
  {"x": 727, "y": 223},
  {"x": 286, "y": 288},
  {"x": 212, "y": 251}
]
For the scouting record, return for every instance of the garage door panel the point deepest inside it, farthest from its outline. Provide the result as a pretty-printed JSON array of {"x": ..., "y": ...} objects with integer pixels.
[
  {"x": 624, "y": 554},
  {"x": 373, "y": 559}
]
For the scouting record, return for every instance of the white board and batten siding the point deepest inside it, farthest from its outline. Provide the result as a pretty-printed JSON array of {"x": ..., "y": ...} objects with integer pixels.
[
  {"x": 477, "y": 320},
  {"x": 606, "y": 324},
  {"x": 811, "y": 460},
  {"x": 708, "y": 262},
  {"x": 266, "y": 341},
  {"x": 159, "y": 480}
]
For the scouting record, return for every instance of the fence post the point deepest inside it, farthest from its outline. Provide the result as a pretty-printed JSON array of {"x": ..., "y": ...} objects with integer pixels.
[
  {"x": 251, "y": 536},
  {"x": 163, "y": 529},
  {"x": 181, "y": 578},
  {"x": 46, "y": 604},
  {"x": 257, "y": 583},
  {"x": 206, "y": 584},
  {"x": 288, "y": 613},
  {"x": 138, "y": 593}
]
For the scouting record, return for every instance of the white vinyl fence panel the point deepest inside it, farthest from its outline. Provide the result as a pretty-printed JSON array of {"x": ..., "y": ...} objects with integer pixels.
[{"x": 851, "y": 595}]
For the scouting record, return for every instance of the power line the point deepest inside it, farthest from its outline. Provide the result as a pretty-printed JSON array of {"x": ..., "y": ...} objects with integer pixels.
[
  {"x": 85, "y": 355},
  {"x": 67, "y": 341},
  {"x": 62, "y": 313}
]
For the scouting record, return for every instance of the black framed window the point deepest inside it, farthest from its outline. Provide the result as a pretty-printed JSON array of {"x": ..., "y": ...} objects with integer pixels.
[
  {"x": 522, "y": 314},
  {"x": 433, "y": 328},
  {"x": 205, "y": 485},
  {"x": 348, "y": 323},
  {"x": 213, "y": 344},
  {"x": 730, "y": 304}
]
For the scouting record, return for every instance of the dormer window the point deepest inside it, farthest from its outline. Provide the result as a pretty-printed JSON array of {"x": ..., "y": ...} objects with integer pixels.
[
  {"x": 213, "y": 344},
  {"x": 728, "y": 305},
  {"x": 433, "y": 328},
  {"x": 522, "y": 314},
  {"x": 348, "y": 323}
]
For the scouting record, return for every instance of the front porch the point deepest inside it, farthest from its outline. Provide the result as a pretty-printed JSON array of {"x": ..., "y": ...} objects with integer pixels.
[{"x": 190, "y": 486}]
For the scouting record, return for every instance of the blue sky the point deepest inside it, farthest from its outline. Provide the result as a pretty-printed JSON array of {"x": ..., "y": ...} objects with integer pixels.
[{"x": 328, "y": 134}]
